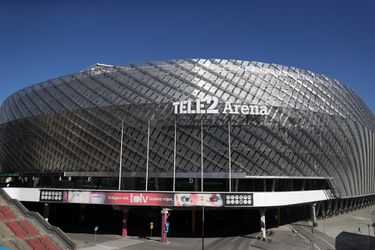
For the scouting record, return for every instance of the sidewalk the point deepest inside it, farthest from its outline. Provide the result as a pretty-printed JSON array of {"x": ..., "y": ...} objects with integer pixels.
[
  {"x": 354, "y": 222},
  {"x": 316, "y": 238},
  {"x": 346, "y": 231},
  {"x": 281, "y": 238}
]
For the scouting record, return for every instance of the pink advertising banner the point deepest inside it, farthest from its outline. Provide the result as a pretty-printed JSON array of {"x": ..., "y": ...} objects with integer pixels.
[
  {"x": 119, "y": 198},
  {"x": 198, "y": 199}
]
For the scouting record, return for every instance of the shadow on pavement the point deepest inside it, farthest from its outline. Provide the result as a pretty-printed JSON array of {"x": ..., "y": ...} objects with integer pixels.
[
  {"x": 148, "y": 238},
  {"x": 249, "y": 237},
  {"x": 351, "y": 241}
]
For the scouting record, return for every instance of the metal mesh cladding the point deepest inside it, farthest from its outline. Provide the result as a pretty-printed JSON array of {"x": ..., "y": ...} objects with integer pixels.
[{"x": 316, "y": 126}]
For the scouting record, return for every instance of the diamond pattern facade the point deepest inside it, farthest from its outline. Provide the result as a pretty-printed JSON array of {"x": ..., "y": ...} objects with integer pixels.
[{"x": 317, "y": 126}]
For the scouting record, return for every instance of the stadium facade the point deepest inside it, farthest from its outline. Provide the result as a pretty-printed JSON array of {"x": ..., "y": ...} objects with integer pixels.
[{"x": 193, "y": 125}]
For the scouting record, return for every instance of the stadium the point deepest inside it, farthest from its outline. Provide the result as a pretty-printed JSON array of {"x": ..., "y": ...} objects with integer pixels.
[{"x": 264, "y": 140}]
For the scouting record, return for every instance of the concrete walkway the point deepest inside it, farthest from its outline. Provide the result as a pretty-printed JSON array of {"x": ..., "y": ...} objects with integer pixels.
[
  {"x": 281, "y": 238},
  {"x": 353, "y": 222},
  {"x": 346, "y": 231},
  {"x": 316, "y": 238},
  {"x": 352, "y": 230}
]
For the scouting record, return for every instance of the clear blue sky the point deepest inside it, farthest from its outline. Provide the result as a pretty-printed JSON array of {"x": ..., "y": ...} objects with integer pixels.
[{"x": 40, "y": 40}]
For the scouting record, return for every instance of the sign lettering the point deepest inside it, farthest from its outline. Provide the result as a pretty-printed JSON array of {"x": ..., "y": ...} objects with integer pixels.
[{"x": 209, "y": 105}]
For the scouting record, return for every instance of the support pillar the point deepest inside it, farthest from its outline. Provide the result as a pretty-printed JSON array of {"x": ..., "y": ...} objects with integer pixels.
[
  {"x": 46, "y": 211},
  {"x": 335, "y": 207},
  {"x": 157, "y": 183},
  {"x": 125, "y": 212},
  {"x": 273, "y": 185},
  {"x": 196, "y": 184},
  {"x": 319, "y": 209},
  {"x": 164, "y": 217},
  {"x": 193, "y": 220},
  {"x": 341, "y": 206},
  {"x": 313, "y": 214},
  {"x": 263, "y": 223}
]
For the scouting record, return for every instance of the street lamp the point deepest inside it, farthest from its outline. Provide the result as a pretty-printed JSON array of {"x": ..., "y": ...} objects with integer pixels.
[{"x": 96, "y": 230}]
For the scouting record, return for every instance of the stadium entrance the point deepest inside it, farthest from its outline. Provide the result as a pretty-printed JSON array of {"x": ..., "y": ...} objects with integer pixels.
[
  {"x": 176, "y": 213},
  {"x": 183, "y": 222}
]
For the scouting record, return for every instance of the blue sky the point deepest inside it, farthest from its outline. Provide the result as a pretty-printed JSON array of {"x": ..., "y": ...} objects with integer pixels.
[{"x": 40, "y": 40}]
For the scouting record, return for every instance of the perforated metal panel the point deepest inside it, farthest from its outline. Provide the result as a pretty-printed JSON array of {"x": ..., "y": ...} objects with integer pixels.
[{"x": 317, "y": 126}]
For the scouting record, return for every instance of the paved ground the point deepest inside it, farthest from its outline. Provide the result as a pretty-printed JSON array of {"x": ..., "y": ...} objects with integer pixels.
[
  {"x": 346, "y": 231},
  {"x": 350, "y": 230},
  {"x": 281, "y": 238},
  {"x": 316, "y": 238},
  {"x": 353, "y": 222},
  {"x": 343, "y": 232}
]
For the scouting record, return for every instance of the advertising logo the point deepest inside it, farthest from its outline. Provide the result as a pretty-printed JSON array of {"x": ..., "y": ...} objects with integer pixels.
[
  {"x": 138, "y": 198},
  {"x": 210, "y": 105}
]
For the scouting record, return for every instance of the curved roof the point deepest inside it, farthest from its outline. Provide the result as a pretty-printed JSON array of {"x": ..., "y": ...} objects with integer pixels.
[{"x": 166, "y": 81}]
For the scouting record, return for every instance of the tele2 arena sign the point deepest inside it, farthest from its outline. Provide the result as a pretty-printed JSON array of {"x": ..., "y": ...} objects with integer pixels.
[{"x": 210, "y": 105}]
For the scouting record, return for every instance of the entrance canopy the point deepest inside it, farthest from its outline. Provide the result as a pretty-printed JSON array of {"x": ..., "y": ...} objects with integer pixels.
[{"x": 168, "y": 199}]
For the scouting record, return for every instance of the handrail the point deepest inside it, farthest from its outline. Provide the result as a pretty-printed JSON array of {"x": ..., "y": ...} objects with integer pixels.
[{"x": 63, "y": 238}]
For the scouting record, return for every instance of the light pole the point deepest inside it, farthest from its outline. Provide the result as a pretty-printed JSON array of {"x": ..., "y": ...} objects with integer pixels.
[
  {"x": 96, "y": 230},
  {"x": 202, "y": 186},
  {"x": 147, "y": 153},
  {"x": 202, "y": 160},
  {"x": 229, "y": 159},
  {"x": 121, "y": 143},
  {"x": 174, "y": 155}
]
